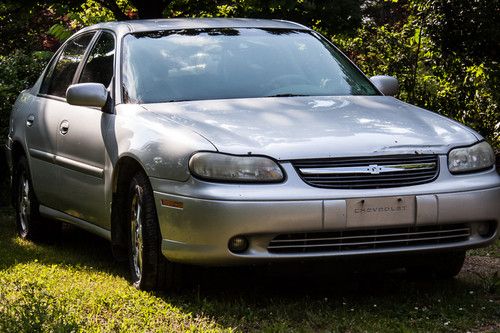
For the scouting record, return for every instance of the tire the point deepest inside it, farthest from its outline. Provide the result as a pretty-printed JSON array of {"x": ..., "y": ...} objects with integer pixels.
[
  {"x": 440, "y": 265},
  {"x": 149, "y": 269},
  {"x": 29, "y": 224}
]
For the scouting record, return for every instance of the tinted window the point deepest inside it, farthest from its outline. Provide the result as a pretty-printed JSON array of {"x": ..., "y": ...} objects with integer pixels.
[
  {"x": 197, "y": 64},
  {"x": 60, "y": 76},
  {"x": 99, "y": 66}
]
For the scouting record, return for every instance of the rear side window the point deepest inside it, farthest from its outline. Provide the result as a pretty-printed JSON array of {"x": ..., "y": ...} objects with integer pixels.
[
  {"x": 61, "y": 74},
  {"x": 99, "y": 66}
]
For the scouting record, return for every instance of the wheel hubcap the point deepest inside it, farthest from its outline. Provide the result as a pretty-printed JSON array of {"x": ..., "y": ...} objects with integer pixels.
[
  {"x": 24, "y": 203},
  {"x": 136, "y": 233}
]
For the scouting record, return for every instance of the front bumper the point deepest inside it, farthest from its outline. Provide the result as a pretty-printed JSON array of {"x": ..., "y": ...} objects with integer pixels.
[{"x": 197, "y": 230}]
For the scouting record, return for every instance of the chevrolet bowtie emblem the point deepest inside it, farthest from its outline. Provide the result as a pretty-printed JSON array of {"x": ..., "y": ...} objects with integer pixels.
[{"x": 374, "y": 169}]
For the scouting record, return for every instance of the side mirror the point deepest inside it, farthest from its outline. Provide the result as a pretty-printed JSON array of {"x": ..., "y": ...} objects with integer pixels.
[
  {"x": 87, "y": 94},
  {"x": 388, "y": 85}
]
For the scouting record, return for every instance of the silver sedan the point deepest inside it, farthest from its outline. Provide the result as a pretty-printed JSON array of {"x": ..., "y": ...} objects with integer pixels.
[{"x": 234, "y": 141}]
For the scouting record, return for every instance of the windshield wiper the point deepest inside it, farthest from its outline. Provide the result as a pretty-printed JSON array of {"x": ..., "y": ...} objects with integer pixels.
[
  {"x": 277, "y": 95},
  {"x": 178, "y": 100},
  {"x": 287, "y": 95}
]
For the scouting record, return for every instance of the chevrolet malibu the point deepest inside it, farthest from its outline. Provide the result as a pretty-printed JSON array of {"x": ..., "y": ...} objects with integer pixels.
[{"x": 238, "y": 142}]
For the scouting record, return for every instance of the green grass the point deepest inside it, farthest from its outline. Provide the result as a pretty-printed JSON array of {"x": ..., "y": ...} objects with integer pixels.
[{"x": 75, "y": 285}]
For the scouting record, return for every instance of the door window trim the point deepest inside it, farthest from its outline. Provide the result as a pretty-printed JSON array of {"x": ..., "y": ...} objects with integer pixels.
[
  {"x": 57, "y": 56},
  {"x": 79, "y": 70}
]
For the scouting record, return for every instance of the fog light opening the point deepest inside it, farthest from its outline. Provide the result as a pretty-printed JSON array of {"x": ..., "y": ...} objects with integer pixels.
[
  {"x": 238, "y": 244},
  {"x": 483, "y": 229}
]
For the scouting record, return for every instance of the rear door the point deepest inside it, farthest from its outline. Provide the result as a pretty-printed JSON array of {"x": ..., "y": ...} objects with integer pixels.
[
  {"x": 81, "y": 150},
  {"x": 43, "y": 119}
]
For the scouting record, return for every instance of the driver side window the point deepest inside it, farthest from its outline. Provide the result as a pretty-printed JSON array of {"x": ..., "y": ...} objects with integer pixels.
[{"x": 100, "y": 63}]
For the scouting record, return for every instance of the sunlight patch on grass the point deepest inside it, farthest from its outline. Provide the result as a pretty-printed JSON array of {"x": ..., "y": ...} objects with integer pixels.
[{"x": 38, "y": 297}]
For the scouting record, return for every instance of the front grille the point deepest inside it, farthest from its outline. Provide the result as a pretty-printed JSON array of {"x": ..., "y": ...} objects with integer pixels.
[
  {"x": 368, "y": 172},
  {"x": 355, "y": 240}
]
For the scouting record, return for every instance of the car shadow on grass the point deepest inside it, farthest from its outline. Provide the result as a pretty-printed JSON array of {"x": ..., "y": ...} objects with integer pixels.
[
  {"x": 73, "y": 247},
  {"x": 303, "y": 280},
  {"x": 331, "y": 297}
]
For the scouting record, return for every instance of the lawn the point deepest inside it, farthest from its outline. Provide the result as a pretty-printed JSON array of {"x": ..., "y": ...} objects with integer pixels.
[{"x": 75, "y": 285}]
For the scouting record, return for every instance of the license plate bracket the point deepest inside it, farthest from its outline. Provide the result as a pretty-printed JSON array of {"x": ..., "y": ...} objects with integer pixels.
[{"x": 380, "y": 211}]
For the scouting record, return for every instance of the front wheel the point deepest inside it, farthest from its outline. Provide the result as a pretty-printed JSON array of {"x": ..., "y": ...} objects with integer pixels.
[{"x": 150, "y": 270}]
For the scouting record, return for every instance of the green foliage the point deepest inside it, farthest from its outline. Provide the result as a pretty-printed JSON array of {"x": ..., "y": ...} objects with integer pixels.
[
  {"x": 18, "y": 71},
  {"x": 326, "y": 16},
  {"x": 23, "y": 26},
  {"x": 92, "y": 12},
  {"x": 60, "y": 32},
  {"x": 468, "y": 29}
]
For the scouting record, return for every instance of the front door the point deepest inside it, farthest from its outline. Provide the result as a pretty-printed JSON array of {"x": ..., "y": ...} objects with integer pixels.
[{"x": 81, "y": 150}]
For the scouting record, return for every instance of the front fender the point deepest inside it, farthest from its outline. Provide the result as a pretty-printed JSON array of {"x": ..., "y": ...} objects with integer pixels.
[{"x": 162, "y": 147}]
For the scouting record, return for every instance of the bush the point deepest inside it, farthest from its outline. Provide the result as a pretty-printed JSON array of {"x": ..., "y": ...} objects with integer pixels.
[{"x": 18, "y": 71}]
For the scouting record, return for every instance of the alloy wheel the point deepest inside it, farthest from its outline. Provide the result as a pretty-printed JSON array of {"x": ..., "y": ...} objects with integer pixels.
[
  {"x": 24, "y": 204},
  {"x": 136, "y": 232}
]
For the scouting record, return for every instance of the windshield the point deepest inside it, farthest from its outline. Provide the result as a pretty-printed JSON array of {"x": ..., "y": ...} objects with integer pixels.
[{"x": 200, "y": 64}]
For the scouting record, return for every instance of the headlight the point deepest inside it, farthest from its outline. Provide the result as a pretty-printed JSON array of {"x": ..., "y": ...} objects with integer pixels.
[
  {"x": 477, "y": 157},
  {"x": 230, "y": 168}
]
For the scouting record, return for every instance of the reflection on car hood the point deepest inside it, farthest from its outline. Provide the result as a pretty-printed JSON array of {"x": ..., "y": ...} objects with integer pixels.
[{"x": 307, "y": 127}]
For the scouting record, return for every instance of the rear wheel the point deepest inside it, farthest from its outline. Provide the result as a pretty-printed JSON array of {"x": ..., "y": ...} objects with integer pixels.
[
  {"x": 150, "y": 270},
  {"x": 440, "y": 265},
  {"x": 29, "y": 224}
]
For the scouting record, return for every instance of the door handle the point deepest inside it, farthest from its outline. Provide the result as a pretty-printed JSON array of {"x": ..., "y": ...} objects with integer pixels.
[
  {"x": 30, "y": 120},
  {"x": 64, "y": 127}
]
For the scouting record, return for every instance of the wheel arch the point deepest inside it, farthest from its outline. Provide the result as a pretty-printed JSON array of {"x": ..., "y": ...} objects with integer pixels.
[{"x": 17, "y": 151}]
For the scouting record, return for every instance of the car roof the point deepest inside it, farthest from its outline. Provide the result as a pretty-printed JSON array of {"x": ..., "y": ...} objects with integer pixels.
[{"x": 123, "y": 27}]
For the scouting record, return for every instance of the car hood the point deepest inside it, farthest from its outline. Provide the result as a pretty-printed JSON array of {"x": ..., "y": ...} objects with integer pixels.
[{"x": 306, "y": 127}]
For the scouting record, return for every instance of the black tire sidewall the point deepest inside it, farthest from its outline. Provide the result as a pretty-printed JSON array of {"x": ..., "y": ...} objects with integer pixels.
[{"x": 152, "y": 257}]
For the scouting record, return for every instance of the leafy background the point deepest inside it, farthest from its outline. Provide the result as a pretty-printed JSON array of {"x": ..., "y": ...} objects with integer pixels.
[{"x": 444, "y": 52}]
